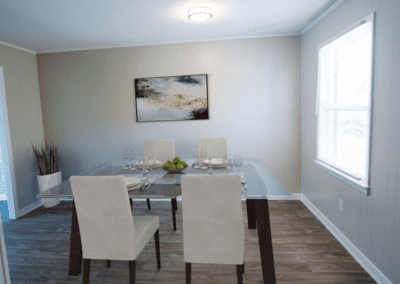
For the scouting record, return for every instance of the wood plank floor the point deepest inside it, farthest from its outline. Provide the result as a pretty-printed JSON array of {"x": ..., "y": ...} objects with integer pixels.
[{"x": 304, "y": 250}]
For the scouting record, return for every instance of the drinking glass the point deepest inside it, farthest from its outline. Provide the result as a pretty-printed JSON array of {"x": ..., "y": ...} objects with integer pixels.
[
  {"x": 143, "y": 163},
  {"x": 132, "y": 157},
  {"x": 210, "y": 169},
  {"x": 203, "y": 155},
  {"x": 195, "y": 156},
  {"x": 238, "y": 161},
  {"x": 228, "y": 161},
  {"x": 152, "y": 164},
  {"x": 125, "y": 156}
]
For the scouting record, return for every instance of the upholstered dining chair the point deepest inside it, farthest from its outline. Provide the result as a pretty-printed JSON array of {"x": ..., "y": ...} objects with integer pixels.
[
  {"x": 163, "y": 150},
  {"x": 213, "y": 226},
  {"x": 216, "y": 147},
  {"x": 108, "y": 229}
]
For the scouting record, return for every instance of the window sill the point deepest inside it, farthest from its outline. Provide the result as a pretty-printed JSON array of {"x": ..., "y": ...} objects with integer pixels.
[{"x": 347, "y": 180}]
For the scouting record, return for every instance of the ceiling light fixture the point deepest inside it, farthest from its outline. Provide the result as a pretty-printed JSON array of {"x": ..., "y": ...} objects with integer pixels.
[{"x": 199, "y": 14}]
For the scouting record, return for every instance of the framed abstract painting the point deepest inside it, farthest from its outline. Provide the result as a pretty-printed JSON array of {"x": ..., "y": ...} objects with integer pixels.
[{"x": 171, "y": 98}]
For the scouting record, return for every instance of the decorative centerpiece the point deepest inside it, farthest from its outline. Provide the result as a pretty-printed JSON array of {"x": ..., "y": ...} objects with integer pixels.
[
  {"x": 48, "y": 163},
  {"x": 174, "y": 166}
]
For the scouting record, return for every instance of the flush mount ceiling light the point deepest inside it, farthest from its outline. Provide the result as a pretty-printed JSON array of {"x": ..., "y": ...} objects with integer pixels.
[{"x": 199, "y": 14}]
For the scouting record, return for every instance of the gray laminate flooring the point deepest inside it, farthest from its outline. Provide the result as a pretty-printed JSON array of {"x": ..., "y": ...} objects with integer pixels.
[{"x": 304, "y": 250}]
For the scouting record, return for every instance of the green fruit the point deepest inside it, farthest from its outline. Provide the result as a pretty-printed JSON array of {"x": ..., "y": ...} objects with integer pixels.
[
  {"x": 172, "y": 167},
  {"x": 180, "y": 166},
  {"x": 166, "y": 165},
  {"x": 176, "y": 160},
  {"x": 183, "y": 163}
]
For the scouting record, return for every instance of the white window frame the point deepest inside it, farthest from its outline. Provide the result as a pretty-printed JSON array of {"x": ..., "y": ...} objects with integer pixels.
[{"x": 359, "y": 184}]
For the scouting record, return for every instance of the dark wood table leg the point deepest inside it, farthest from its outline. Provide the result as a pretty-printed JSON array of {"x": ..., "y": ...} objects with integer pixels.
[
  {"x": 251, "y": 213},
  {"x": 265, "y": 240},
  {"x": 173, "y": 205},
  {"x": 75, "y": 251}
]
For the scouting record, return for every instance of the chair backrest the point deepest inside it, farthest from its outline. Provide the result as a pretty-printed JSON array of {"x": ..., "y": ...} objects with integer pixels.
[
  {"x": 216, "y": 147},
  {"x": 213, "y": 228},
  {"x": 105, "y": 217},
  {"x": 162, "y": 149}
]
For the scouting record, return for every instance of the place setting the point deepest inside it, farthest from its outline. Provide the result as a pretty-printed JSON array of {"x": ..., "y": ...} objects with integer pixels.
[{"x": 133, "y": 183}]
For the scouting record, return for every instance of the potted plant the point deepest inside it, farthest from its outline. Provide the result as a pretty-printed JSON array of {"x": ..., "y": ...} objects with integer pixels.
[{"x": 48, "y": 163}]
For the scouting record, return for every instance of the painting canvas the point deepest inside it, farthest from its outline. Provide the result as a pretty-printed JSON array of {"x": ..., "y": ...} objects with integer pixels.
[{"x": 171, "y": 98}]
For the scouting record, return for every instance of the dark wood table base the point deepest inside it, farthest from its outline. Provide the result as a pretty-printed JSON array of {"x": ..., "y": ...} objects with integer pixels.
[
  {"x": 265, "y": 239},
  {"x": 75, "y": 252}
]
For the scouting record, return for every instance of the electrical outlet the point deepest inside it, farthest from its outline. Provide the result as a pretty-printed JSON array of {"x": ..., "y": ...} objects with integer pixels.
[{"x": 341, "y": 205}]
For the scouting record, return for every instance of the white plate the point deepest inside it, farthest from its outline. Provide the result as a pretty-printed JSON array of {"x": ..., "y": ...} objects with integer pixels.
[
  {"x": 158, "y": 163},
  {"x": 214, "y": 162},
  {"x": 135, "y": 186},
  {"x": 218, "y": 166},
  {"x": 131, "y": 181}
]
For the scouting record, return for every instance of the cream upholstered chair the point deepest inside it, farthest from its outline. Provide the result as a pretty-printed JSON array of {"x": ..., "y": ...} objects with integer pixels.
[
  {"x": 213, "y": 226},
  {"x": 162, "y": 149},
  {"x": 216, "y": 147},
  {"x": 108, "y": 229}
]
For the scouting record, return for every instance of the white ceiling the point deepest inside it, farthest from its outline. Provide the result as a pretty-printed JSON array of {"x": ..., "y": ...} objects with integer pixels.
[{"x": 53, "y": 25}]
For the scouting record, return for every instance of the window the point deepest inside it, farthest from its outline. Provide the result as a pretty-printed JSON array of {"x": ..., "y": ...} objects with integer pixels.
[{"x": 344, "y": 104}]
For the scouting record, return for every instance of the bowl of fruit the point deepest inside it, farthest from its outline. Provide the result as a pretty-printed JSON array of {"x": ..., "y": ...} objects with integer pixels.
[{"x": 175, "y": 166}]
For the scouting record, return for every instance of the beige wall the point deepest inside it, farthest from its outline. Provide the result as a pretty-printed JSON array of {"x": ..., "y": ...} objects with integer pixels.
[
  {"x": 254, "y": 100},
  {"x": 25, "y": 118},
  {"x": 372, "y": 222}
]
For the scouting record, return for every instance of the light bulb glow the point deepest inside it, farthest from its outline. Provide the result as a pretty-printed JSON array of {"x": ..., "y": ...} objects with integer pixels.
[{"x": 198, "y": 14}]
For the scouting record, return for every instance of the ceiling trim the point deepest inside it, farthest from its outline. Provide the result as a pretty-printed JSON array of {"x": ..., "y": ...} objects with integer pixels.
[
  {"x": 324, "y": 14},
  {"x": 167, "y": 42},
  {"x": 17, "y": 47}
]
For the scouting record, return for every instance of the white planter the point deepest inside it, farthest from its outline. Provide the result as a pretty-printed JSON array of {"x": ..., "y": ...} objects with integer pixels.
[{"x": 45, "y": 183}]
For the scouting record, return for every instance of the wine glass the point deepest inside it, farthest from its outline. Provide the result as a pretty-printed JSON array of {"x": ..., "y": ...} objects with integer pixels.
[
  {"x": 152, "y": 164},
  {"x": 132, "y": 157},
  {"x": 125, "y": 156},
  {"x": 203, "y": 155},
  {"x": 238, "y": 161}
]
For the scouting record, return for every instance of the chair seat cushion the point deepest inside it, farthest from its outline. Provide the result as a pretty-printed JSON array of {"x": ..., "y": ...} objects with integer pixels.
[{"x": 145, "y": 228}]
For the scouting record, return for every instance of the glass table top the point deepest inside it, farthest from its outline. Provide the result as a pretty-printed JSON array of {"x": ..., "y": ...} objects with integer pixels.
[{"x": 260, "y": 182}]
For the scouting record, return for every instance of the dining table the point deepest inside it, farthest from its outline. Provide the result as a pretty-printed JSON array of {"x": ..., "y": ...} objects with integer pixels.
[{"x": 259, "y": 185}]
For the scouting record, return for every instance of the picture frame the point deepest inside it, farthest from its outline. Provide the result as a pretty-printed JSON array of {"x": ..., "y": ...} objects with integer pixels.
[{"x": 171, "y": 98}]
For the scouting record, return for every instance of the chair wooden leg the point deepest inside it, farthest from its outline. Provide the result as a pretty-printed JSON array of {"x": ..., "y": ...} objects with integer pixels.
[
  {"x": 176, "y": 205},
  {"x": 132, "y": 271},
  {"x": 86, "y": 270},
  {"x": 148, "y": 204},
  {"x": 173, "y": 202},
  {"x": 188, "y": 272},
  {"x": 157, "y": 242},
  {"x": 108, "y": 263},
  {"x": 239, "y": 273}
]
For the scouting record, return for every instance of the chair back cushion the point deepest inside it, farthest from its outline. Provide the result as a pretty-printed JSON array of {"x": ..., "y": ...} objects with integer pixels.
[
  {"x": 105, "y": 217},
  {"x": 216, "y": 147},
  {"x": 162, "y": 149},
  {"x": 213, "y": 228}
]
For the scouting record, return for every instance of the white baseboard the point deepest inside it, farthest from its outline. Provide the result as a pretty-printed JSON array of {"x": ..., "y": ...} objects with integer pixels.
[
  {"x": 28, "y": 208},
  {"x": 361, "y": 258},
  {"x": 297, "y": 196}
]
